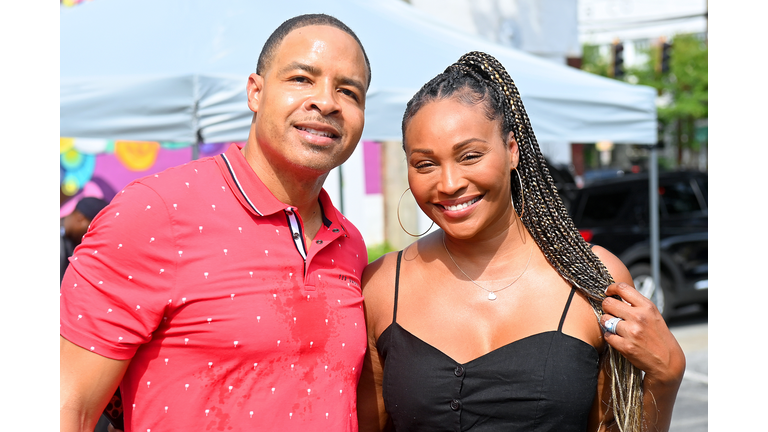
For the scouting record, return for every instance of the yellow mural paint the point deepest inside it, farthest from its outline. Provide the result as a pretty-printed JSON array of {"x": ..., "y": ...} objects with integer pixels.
[
  {"x": 137, "y": 155},
  {"x": 71, "y": 159},
  {"x": 69, "y": 186},
  {"x": 66, "y": 144}
]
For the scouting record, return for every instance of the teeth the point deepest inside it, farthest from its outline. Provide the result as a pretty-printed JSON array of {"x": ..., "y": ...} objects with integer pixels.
[
  {"x": 316, "y": 132},
  {"x": 463, "y": 205}
]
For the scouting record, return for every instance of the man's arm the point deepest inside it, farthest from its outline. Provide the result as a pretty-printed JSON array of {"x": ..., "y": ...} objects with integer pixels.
[{"x": 87, "y": 382}]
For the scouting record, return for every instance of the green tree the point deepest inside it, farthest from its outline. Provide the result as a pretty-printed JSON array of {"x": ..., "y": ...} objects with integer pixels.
[
  {"x": 683, "y": 90},
  {"x": 593, "y": 61}
]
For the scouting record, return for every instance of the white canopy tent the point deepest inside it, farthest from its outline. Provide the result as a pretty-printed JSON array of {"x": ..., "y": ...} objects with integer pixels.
[{"x": 175, "y": 70}]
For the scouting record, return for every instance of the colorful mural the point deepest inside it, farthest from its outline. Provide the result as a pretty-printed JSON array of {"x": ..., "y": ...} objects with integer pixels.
[
  {"x": 101, "y": 168},
  {"x": 70, "y": 3}
]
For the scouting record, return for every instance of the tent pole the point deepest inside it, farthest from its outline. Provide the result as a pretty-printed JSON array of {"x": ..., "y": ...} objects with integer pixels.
[
  {"x": 196, "y": 146},
  {"x": 653, "y": 191}
]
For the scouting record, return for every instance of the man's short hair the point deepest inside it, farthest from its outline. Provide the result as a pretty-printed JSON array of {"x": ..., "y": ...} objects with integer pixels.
[{"x": 274, "y": 40}]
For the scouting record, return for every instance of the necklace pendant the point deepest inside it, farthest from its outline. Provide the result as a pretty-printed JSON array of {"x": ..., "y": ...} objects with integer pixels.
[{"x": 491, "y": 296}]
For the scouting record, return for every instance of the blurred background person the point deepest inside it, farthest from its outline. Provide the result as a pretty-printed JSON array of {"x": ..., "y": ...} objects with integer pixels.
[{"x": 75, "y": 225}]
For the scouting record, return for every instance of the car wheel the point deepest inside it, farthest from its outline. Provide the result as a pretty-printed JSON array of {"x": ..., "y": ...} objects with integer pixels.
[{"x": 641, "y": 275}]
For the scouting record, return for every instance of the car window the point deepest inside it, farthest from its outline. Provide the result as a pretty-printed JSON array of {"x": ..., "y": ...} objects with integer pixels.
[
  {"x": 702, "y": 182},
  {"x": 602, "y": 207},
  {"x": 679, "y": 198}
]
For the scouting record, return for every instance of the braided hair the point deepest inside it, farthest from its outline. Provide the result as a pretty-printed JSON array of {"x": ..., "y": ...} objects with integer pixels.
[{"x": 479, "y": 79}]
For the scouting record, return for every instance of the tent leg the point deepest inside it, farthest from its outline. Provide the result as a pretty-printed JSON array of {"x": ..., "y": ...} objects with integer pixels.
[
  {"x": 653, "y": 191},
  {"x": 196, "y": 146}
]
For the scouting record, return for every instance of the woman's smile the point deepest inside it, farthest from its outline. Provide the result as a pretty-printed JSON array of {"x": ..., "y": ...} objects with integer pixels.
[
  {"x": 460, "y": 207},
  {"x": 458, "y": 165}
]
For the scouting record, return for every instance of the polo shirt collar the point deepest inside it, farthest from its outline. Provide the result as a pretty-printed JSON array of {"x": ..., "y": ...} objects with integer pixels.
[
  {"x": 254, "y": 194},
  {"x": 330, "y": 215},
  {"x": 245, "y": 184}
]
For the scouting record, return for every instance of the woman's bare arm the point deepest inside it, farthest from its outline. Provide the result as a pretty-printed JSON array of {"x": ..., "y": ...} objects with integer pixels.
[{"x": 645, "y": 340}]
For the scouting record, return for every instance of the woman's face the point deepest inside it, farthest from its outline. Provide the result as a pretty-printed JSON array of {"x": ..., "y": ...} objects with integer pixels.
[{"x": 459, "y": 168}]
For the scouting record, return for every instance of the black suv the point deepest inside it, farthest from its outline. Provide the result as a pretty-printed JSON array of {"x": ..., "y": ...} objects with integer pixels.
[{"x": 614, "y": 214}]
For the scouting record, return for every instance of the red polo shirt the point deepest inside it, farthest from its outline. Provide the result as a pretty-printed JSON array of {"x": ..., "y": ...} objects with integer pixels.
[{"x": 201, "y": 276}]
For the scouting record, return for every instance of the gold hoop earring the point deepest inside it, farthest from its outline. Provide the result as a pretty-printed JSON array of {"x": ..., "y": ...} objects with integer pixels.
[
  {"x": 401, "y": 223},
  {"x": 522, "y": 197}
]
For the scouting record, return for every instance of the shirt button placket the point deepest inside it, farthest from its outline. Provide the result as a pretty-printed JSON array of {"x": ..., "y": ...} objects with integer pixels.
[{"x": 455, "y": 403}]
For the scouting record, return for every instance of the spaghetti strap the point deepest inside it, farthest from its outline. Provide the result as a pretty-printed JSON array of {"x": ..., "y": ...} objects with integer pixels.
[
  {"x": 565, "y": 311},
  {"x": 397, "y": 283}
]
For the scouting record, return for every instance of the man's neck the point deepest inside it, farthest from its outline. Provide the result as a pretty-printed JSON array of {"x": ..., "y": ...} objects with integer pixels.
[{"x": 291, "y": 188}]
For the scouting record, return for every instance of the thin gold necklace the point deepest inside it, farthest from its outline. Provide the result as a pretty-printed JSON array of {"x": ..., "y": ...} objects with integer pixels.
[{"x": 491, "y": 293}]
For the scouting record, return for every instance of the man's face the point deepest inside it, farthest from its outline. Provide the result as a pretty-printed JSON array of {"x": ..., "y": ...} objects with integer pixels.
[{"x": 310, "y": 100}]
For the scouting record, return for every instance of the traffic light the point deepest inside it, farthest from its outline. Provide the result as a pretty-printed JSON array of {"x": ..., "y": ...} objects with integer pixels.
[
  {"x": 665, "y": 51},
  {"x": 617, "y": 66}
]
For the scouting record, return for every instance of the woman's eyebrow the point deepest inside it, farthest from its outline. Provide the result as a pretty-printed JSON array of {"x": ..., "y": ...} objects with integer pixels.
[{"x": 456, "y": 147}]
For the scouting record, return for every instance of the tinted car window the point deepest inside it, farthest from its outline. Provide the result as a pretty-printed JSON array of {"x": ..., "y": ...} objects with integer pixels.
[
  {"x": 602, "y": 207},
  {"x": 702, "y": 182},
  {"x": 679, "y": 198}
]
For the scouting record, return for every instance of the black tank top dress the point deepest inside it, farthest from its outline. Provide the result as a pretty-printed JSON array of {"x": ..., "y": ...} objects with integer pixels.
[{"x": 544, "y": 382}]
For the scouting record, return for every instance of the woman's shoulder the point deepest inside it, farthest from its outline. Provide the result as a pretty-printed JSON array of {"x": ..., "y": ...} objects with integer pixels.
[
  {"x": 615, "y": 267},
  {"x": 381, "y": 269},
  {"x": 378, "y": 285},
  {"x": 380, "y": 274}
]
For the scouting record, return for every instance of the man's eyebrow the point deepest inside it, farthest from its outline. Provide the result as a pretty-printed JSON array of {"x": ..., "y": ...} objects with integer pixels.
[
  {"x": 354, "y": 83},
  {"x": 314, "y": 70}
]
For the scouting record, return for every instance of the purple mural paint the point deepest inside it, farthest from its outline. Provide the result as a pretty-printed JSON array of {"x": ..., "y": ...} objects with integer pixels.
[
  {"x": 110, "y": 175},
  {"x": 215, "y": 148},
  {"x": 112, "y": 171},
  {"x": 372, "y": 167}
]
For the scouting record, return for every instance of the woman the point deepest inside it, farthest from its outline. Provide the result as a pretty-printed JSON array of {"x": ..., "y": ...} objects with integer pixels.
[{"x": 496, "y": 321}]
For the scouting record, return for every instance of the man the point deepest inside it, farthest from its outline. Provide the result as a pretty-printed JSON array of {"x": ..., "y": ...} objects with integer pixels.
[
  {"x": 224, "y": 294},
  {"x": 74, "y": 226}
]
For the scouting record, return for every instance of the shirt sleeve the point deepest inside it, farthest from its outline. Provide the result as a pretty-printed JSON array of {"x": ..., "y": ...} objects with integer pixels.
[{"x": 120, "y": 278}]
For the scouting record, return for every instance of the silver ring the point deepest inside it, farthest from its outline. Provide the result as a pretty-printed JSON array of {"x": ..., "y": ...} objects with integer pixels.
[{"x": 611, "y": 324}]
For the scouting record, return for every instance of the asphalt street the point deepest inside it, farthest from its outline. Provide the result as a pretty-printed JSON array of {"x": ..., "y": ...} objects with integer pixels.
[{"x": 690, "y": 328}]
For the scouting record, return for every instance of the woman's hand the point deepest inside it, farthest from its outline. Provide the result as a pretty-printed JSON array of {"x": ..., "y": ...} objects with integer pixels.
[{"x": 642, "y": 336}]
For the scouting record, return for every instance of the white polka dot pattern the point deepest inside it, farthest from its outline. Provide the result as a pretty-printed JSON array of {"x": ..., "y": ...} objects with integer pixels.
[{"x": 226, "y": 321}]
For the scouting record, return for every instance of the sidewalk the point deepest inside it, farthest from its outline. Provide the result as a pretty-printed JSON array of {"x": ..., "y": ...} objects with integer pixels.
[{"x": 691, "y": 408}]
